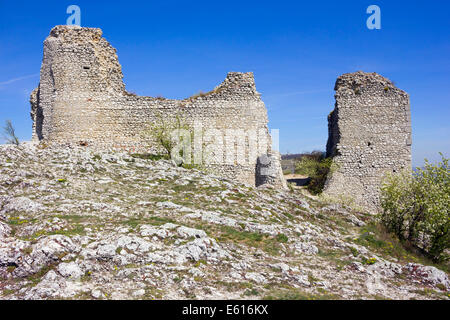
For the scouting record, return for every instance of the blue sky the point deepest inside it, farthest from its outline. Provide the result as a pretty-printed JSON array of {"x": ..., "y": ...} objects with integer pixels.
[{"x": 296, "y": 50}]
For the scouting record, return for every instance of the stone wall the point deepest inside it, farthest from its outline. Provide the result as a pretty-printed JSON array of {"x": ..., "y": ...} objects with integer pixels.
[
  {"x": 369, "y": 135},
  {"x": 81, "y": 98}
]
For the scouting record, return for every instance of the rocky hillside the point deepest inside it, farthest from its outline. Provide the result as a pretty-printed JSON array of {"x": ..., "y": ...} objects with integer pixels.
[{"x": 75, "y": 224}]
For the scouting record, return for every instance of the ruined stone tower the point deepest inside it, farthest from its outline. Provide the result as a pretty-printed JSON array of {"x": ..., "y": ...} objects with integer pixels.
[
  {"x": 82, "y": 98},
  {"x": 369, "y": 135}
]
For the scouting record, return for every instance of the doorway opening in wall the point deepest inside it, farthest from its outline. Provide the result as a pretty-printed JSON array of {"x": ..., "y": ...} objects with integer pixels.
[{"x": 308, "y": 170}]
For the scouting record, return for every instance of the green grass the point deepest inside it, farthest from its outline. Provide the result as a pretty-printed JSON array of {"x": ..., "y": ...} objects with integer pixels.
[
  {"x": 221, "y": 233},
  {"x": 312, "y": 279},
  {"x": 354, "y": 251},
  {"x": 191, "y": 186},
  {"x": 149, "y": 156},
  {"x": 282, "y": 238},
  {"x": 7, "y": 292},
  {"x": 72, "y": 218},
  {"x": 10, "y": 269},
  {"x": 430, "y": 293},
  {"x": 229, "y": 233},
  {"x": 200, "y": 262},
  {"x": 315, "y": 166},
  {"x": 190, "y": 166},
  {"x": 295, "y": 294},
  {"x": 76, "y": 230},
  {"x": 37, "y": 277},
  {"x": 160, "y": 220},
  {"x": 376, "y": 237},
  {"x": 251, "y": 292},
  {"x": 335, "y": 257},
  {"x": 133, "y": 223},
  {"x": 368, "y": 261},
  {"x": 233, "y": 286},
  {"x": 16, "y": 221},
  {"x": 27, "y": 250}
]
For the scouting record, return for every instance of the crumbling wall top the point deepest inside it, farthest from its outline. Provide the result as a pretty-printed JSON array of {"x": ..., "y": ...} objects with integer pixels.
[
  {"x": 76, "y": 33},
  {"x": 369, "y": 136},
  {"x": 358, "y": 83},
  {"x": 82, "y": 98}
]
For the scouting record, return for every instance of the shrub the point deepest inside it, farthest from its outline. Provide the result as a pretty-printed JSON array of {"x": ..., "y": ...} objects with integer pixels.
[
  {"x": 282, "y": 238},
  {"x": 415, "y": 207},
  {"x": 9, "y": 133},
  {"x": 317, "y": 168},
  {"x": 150, "y": 156},
  {"x": 162, "y": 133}
]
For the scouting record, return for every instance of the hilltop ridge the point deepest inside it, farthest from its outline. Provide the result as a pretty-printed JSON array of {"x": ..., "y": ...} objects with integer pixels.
[{"x": 80, "y": 224}]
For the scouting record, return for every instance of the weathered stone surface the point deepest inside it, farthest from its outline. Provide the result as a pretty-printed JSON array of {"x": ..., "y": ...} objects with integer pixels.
[
  {"x": 81, "y": 99},
  {"x": 5, "y": 230},
  {"x": 70, "y": 270},
  {"x": 20, "y": 204},
  {"x": 428, "y": 275},
  {"x": 369, "y": 135},
  {"x": 213, "y": 238},
  {"x": 269, "y": 171}
]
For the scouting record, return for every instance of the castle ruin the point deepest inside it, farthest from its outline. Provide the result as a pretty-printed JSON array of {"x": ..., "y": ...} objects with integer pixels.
[
  {"x": 369, "y": 135},
  {"x": 81, "y": 99}
]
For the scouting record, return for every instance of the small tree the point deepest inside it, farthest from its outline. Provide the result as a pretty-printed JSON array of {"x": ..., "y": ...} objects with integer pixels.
[
  {"x": 9, "y": 133},
  {"x": 163, "y": 133},
  {"x": 416, "y": 207}
]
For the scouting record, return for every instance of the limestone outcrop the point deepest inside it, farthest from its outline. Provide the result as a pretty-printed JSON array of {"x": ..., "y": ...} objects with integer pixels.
[{"x": 82, "y": 224}]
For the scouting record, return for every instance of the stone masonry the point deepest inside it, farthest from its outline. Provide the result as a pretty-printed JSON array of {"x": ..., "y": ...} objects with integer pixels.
[
  {"x": 81, "y": 99},
  {"x": 369, "y": 135}
]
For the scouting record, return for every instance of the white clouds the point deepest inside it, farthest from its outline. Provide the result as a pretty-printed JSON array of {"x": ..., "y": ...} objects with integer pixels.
[{"x": 3, "y": 83}]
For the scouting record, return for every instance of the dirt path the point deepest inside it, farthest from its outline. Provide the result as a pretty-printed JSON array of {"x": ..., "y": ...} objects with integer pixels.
[{"x": 298, "y": 179}]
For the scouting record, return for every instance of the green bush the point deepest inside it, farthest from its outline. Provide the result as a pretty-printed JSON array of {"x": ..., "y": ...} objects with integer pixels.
[
  {"x": 150, "y": 156},
  {"x": 317, "y": 168},
  {"x": 9, "y": 134},
  {"x": 416, "y": 207},
  {"x": 161, "y": 133}
]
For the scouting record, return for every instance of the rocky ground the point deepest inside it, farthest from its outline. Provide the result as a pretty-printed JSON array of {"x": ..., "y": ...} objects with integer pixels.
[{"x": 75, "y": 224}]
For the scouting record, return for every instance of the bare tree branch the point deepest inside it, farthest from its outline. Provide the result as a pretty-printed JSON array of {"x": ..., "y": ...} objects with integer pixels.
[{"x": 9, "y": 134}]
